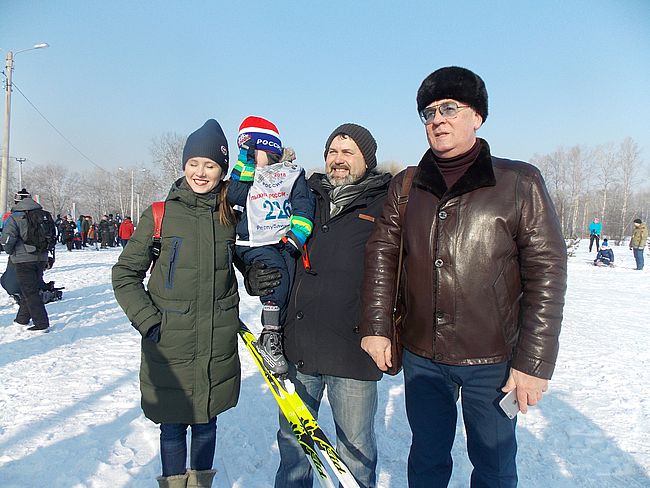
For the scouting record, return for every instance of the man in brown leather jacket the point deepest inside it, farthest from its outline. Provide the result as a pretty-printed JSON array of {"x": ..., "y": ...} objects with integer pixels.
[{"x": 484, "y": 277}]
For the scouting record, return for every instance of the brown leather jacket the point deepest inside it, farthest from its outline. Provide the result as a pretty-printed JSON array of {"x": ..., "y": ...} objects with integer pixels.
[{"x": 484, "y": 271}]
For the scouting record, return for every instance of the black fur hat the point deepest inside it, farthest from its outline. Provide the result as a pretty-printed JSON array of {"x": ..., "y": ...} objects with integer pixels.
[{"x": 457, "y": 83}]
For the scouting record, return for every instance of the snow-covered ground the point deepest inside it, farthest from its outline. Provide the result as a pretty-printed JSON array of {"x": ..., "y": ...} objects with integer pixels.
[{"x": 70, "y": 414}]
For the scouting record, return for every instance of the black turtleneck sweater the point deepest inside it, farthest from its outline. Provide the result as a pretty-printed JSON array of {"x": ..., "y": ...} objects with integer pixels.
[{"x": 453, "y": 168}]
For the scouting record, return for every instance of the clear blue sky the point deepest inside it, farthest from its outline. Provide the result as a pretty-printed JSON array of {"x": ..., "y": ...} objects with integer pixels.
[{"x": 120, "y": 73}]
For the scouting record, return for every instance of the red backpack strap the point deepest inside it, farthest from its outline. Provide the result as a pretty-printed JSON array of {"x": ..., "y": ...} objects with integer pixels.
[{"x": 158, "y": 211}]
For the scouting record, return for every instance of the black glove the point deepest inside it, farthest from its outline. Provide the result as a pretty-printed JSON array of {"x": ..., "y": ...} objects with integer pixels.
[
  {"x": 260, "y": 280},
  {"x": 153, "y": 334}
]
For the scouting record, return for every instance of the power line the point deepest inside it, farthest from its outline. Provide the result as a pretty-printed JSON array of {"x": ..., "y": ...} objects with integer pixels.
[{"x": 55, "y": 129}]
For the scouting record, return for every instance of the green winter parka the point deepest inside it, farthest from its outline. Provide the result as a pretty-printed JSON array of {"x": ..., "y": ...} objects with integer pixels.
[{"x": 193, "y": 372}]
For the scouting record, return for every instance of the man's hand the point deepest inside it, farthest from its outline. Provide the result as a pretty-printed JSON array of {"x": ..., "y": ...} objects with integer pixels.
[
  {"x": 378, "y": 348},
  {"x": 529, "y": 388},
  {"x": 260, "y": 280}
]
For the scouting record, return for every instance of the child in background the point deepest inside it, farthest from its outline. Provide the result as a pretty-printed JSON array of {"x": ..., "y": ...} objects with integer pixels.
[
  {"x": 277, "y": 214},
  {"x": 605, "y": 256}
]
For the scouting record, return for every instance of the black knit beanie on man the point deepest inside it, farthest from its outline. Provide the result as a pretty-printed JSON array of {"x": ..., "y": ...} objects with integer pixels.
[
  {"x": 456, "y": 83},
  {"x": 362, "y": 137},
  {"x": 207, "y": 142}
]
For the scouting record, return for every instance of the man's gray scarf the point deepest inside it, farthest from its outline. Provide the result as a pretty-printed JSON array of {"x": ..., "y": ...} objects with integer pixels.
[{"x": 342, "y": 196}]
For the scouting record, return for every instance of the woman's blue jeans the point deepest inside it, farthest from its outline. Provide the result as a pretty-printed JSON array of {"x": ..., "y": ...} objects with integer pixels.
[
  {"x": 173, "y": 447},
  {"x": 354, "y": 404}
]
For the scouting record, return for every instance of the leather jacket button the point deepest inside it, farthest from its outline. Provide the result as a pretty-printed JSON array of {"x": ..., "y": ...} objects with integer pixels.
[
  {"x": 440, "y": 315},
  {"x": 356, "y": 329},
  {"x": 437, "y": 357},
  {"x": 442, "y": 215},
  {"x": 438, "y": 263},
  {"x": 300, "y": 364},
  {"x": 325, "y": 228},
  {"x": 300, "y": 315}
]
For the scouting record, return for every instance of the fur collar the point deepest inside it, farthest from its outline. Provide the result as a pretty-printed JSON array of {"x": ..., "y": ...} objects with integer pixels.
[{"x": 478, "y": 175}]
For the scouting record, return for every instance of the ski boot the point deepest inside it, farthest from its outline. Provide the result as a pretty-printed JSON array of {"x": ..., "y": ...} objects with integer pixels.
[{"x": 269, "y": 343}]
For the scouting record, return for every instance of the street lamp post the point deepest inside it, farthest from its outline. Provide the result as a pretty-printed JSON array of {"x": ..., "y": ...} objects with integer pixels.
[
  {"x": 4, "y": 172},
  {"x": 20, "y": 162},
  {"x": 131, "y": 194}
]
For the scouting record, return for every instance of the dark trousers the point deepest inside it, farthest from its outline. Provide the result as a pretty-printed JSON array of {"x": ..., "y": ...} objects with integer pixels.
[
  {"x": 29, "y": 276},
  {"x": 432, "y": 390},
  {"x": 592, "y": 238},
  {"x": 173, "y": 447},
  {"x": 280, "y": 257}
]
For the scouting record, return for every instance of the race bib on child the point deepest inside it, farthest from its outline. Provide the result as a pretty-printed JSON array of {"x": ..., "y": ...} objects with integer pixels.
[{"x": 268, "y": 205}]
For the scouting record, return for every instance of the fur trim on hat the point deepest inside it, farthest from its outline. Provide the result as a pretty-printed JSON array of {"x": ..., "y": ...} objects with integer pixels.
[{"x": 456, "y": 83}]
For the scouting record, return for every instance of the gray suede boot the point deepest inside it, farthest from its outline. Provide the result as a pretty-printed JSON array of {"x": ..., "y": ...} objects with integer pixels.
[
  {"x": 176, "y": 481},
  {"x": 200, "y": 479}
]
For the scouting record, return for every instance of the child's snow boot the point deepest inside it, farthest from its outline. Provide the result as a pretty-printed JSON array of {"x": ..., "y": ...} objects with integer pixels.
[
  {"x": 270, "y": 348},
  {"x": 270, "y": 342}
]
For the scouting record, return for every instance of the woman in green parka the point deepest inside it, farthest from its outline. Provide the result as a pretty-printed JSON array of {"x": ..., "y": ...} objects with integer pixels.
[{"x": 188, "y": 313}]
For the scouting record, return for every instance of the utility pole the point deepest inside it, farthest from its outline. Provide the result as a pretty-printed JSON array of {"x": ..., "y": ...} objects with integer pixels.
[{"x": 4, "y": 173}]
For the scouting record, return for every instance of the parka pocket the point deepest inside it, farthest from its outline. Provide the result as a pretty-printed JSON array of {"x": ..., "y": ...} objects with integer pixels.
[
  {"x": 225, "y": 327},
  {"x": 176, "y": 314},
  {"x": 176, "y": 243},
  {"x": 177, "y": 333}
]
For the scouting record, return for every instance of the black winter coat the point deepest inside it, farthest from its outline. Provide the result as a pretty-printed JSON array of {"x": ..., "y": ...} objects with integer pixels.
[{"x": 322, "y": 327}]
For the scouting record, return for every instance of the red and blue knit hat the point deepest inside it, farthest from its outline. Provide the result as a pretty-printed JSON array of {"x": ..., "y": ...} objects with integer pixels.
[{"x": 262, "y": 133}]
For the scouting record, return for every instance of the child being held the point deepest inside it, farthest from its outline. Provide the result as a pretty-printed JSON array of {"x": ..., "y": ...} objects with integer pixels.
[{"x": 277, "y": 218}]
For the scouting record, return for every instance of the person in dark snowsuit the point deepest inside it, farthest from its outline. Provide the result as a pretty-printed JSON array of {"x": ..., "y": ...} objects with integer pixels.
[
  {"x": 277, "y": 215},
  {"x": 605, "y": 256},
  {"x": 29, "y": 263}
]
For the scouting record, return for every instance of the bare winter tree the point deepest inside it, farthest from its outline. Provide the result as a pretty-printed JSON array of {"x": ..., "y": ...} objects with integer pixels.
[
  {"x": 54, "y": 185},
  {"x": 392, "y": 167},
  {"x": 167, "y": 152},
  {"x": 605, "y": 177},
  {"x": 554, "y": 169},
  {"x": 627, "y": 163},
  {"x": 577, "y": 182}
]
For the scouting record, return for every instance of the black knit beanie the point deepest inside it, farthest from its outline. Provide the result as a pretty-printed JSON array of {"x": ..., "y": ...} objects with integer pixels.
[
  {"x": 362, "y": 137},
  {"x": 19, "y": 195},
  {"x": 456, "y": 83},
  {"x": 207, "y": 142}
]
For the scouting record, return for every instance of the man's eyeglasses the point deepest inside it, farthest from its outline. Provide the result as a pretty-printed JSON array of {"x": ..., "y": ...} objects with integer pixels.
[{"x": 448, "y": 110}]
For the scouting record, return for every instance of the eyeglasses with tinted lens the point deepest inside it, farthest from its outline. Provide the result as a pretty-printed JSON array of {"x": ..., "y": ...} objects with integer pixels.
[{"x": 448, "y": 110}]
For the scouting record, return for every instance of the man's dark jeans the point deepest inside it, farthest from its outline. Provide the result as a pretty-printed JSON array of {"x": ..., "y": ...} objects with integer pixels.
[
  {"x": 29, "y": 277},
  {"x": 432, "y": 390}
]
